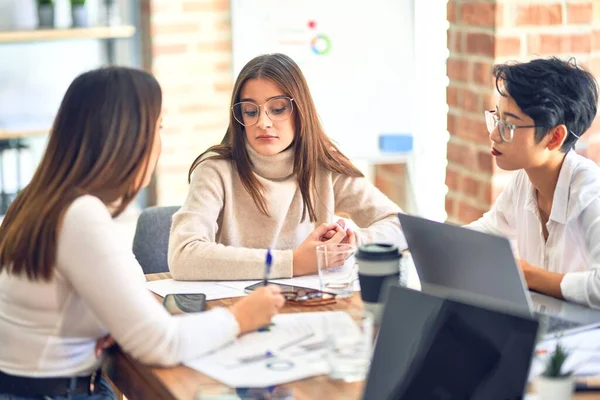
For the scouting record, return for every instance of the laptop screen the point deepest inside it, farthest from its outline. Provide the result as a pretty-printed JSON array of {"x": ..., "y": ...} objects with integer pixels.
[
  {"x": 455, "y": 260},
  {"x": 434, "y": 348}
]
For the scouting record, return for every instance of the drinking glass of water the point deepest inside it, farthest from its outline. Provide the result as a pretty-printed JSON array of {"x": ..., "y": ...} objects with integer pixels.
[
  {"x": 337, "y": 270},
  {"x": 349, "y": 338}
]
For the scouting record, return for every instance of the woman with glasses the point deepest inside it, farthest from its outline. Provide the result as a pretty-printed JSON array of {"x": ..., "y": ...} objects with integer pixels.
[
  {"x": 67, "y": 280},
  {"x": 551, "y": 207},
  {"x": 275, "y": 181}
]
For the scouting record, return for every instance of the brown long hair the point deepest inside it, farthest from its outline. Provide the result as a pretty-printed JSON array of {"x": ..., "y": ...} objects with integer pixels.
[
  {"x": 312, "y": 147},
  {"x": 100, "y": 144}
]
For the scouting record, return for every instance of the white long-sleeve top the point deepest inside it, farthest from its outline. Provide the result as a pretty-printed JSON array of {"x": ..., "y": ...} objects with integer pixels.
[
  {"x": 573, "y": 245},
  {"x": 50, "y": 329}
]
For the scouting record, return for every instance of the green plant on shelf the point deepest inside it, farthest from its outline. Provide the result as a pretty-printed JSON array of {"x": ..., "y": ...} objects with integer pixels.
[
  {"x": 45, "y": 2},
  {"x": 78, "y": 2}
]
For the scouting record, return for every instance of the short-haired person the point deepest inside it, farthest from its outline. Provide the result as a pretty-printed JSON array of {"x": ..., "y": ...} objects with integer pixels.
[{"x": 551, "y": 207}]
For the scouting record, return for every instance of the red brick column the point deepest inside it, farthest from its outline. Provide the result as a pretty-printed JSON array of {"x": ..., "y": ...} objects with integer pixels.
[
  {"x": 191, "y": 57},
  {"x": 480, "y": 35}
]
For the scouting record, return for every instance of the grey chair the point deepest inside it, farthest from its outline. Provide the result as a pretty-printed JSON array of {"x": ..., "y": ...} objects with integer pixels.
[{"x": 151, "y": 239}]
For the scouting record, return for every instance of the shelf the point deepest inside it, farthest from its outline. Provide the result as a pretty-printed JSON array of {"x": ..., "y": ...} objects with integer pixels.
[
  {"x": 382, "y": 157},
  {"x": 95, "y": 32},
  {"x": 5, "y": 134}
]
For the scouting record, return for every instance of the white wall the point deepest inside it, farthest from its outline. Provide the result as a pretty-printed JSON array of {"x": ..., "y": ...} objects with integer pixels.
[
  {"x": 363, "y": 86},
  {"x": 431, "y": 52}
]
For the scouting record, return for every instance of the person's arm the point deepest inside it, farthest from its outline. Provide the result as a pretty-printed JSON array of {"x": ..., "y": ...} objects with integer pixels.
[
  {"x": 105, "y": 274},
  {"x": 541, "y": 280},
  {"x": 193, "y": 251},
  {"x": 374, "y": 213},
  {"x": 584, "y": 287}
]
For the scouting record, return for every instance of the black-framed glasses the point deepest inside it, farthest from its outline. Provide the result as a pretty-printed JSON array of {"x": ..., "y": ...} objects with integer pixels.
[
  {"x": 307, "y": 296},
  {"x": 505, "y": 128},
  {"x": 277, "y": 109}
]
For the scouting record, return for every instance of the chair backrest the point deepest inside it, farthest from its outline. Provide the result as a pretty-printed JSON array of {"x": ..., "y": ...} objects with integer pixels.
[{"x": 151, "y": 240}]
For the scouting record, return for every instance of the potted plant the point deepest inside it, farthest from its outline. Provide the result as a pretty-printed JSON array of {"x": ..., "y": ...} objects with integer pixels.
[
  {"x": 555, "y": 383},
  {"x": 79, "y": 13},
  {"x": 45, "y": 13}
]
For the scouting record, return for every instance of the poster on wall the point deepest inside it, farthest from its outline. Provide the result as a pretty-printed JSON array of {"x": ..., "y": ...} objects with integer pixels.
[{"x": 357, "y": 56}]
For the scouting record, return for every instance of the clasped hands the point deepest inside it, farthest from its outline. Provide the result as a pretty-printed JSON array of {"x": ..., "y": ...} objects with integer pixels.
[{"x": 305, "y": 256}]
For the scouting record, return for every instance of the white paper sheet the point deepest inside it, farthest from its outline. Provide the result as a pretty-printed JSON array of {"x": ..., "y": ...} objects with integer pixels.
[
  {"x": 215, "y": 290},
  {"x": 212, "y": 290},
  {"x": 294, "y": 339},
  {"x": 239, "y": 285}
]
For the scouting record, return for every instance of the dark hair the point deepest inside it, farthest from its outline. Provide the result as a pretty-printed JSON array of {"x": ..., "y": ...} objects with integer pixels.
[
  {"x": 312, "y": 147},
  {"x": 552, "y": 92},
  {"x": 100, "y": 144}
]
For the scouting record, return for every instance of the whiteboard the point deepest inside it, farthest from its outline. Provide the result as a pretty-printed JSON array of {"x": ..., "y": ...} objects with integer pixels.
[{"x": 357, "y": 56}]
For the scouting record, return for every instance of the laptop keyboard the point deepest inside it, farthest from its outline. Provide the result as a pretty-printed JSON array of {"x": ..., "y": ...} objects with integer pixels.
[{"x": 554, "y": 324}]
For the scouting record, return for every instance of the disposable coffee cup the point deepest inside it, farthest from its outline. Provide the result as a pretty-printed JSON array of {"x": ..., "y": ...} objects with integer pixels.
[{"x": 378, "y": 268}]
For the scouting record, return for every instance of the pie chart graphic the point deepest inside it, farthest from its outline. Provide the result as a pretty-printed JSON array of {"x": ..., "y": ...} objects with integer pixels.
[{"x": 320, "y": 44}]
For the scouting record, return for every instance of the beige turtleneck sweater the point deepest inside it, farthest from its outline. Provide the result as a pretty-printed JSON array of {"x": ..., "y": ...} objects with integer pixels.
[{"x": 220, "y": 234}]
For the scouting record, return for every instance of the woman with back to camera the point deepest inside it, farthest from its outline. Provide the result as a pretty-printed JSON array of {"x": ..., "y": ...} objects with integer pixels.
[
  {"x": 66, "y": 280},
  {"x": 275, "y": 181}
]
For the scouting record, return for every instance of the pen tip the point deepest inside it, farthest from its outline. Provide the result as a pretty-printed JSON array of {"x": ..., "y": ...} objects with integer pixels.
[{"x": 269, "y": 259}]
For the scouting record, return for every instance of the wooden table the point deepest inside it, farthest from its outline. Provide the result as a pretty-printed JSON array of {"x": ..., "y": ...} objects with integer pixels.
[{"x": 138, "y": 381}]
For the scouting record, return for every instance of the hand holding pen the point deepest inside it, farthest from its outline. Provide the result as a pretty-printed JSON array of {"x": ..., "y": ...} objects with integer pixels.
[{"x": 256, "y": 310}]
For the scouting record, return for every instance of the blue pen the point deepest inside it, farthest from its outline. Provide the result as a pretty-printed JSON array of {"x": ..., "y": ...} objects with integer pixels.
[
  {"x": 268, "y": 262},
  {"x": 251, "y": 359},
  {"x": 259, "y": 357}
]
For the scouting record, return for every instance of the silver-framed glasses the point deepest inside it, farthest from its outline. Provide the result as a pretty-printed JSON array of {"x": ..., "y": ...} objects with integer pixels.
[
  {"x": 277, "y": 109},
  {"x": 505, "y": 128}
]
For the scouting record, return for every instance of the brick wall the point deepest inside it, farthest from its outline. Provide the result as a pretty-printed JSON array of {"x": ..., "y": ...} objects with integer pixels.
[
  {"x": 482, "y": 33},
  {"x": 191, "y": 57},
  {"x": 391, "y": 180}
]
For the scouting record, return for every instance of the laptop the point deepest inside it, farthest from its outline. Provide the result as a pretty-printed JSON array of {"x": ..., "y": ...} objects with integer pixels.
[
  {"x": 480, "y": 268},
  {"x": 430, "y": 347}
]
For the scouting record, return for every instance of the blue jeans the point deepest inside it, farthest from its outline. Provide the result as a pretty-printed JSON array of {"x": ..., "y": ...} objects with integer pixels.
[{"x": 103, "y": 391}]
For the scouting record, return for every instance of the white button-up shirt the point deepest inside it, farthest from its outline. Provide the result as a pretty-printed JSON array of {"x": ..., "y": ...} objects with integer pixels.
[{"x": 573, "y": 245}]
